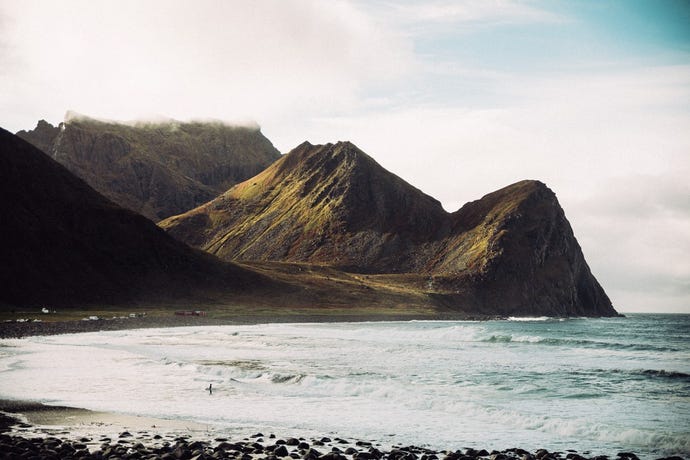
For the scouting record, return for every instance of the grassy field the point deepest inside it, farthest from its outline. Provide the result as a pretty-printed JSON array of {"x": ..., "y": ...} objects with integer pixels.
[{"x": 313, "y": 293}]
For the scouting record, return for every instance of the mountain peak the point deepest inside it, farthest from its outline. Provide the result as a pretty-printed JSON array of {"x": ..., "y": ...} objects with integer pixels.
[
  {"x": 157, "y": 168},
  {"x": 42, "y": 124},
  {"x": 320, "y": 204}
]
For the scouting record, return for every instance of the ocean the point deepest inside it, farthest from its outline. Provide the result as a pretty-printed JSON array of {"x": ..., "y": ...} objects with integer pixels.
[{"x": 594, "y": 385}]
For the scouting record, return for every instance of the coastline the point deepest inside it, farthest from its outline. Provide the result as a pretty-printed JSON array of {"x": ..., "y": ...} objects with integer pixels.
[
  {"x": 18, "y": 330},
  {"x": 34, "y": 430}
]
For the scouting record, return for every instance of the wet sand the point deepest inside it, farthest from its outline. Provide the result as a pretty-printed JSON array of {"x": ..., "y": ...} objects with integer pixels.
[{"x": 14, "y": 329}]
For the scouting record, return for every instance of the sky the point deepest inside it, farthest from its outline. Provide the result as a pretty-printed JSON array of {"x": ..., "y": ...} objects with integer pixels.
[{"x": 459, "y": 98}]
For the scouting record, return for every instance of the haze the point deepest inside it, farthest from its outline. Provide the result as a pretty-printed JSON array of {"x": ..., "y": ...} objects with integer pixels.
[{"x": 459, "y": 98}]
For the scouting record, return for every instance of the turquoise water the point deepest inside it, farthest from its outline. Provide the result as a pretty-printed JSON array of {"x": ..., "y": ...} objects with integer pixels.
[{"x": 594, "y": 385}]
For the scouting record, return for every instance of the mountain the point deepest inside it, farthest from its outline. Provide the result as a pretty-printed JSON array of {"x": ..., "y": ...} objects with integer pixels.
[
  {"x": 329, "y": 204},
  {"x": 512, "y": 252},
  {"x": 515, "y": 249},
  {"x": 157, "y": 169},
  {"x": 64, "y": 244}
]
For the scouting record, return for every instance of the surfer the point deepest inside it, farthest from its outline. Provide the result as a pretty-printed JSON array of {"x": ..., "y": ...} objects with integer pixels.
[{"x": 210, "y": 388}]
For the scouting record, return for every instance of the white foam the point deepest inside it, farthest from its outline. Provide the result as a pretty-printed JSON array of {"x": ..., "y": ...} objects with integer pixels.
[
  {"x": 533, "y": 318},
  {"x": 442, "y": 384}
]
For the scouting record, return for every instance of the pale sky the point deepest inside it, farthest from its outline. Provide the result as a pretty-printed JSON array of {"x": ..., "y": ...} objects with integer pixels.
[{"x": 459, "y": 98}]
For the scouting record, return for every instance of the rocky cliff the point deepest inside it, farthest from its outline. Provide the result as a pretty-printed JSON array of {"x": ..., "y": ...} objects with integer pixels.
[
  {"x": 515, "y": 250},
  {"x": 512, "y": 252},
  {"x": 64, "y": 244},
  {"x": 156, "y": 169}
]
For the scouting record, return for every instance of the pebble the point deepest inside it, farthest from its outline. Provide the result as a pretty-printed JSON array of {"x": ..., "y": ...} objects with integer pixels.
[{"x": 142, "y": 447}]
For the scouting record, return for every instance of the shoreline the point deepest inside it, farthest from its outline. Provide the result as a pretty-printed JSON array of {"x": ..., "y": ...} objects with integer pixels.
[
  {"x": 18, "y": 330},
  {"x": 14, "y": 329},
  {"x": 32, "y": 429}
]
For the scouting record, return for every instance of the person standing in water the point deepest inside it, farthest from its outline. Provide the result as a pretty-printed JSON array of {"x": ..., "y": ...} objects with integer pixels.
[{"x": 210, "y": 388}]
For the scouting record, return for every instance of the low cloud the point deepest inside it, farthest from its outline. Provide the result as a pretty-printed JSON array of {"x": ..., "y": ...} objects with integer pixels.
[{"x": 225, "y": 60}]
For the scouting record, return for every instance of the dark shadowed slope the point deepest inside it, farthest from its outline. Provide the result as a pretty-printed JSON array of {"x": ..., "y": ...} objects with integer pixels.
[
  {"x": 156, "y": 169},
  {"x": 62, "y": 243},
  {"x": 512, "y": 252}
]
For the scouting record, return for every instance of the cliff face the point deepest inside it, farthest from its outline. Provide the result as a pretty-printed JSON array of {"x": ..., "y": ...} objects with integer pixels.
[
  {"x": 512, "y": 252},
  {"x": 155, "y": 169},
  {"x": 63, "y": 244}
]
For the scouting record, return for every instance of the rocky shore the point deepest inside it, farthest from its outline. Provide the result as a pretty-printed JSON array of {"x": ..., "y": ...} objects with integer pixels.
[
  {"x": 20, "y": 440},
  {"x": 169, "y": 447}
]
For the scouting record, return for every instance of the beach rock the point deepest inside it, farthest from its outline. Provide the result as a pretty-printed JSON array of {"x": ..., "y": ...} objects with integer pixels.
[
  {"x": 333, "y": 456},
  {"x": 312, "y": 454},
  {"x": 375, "y": 452},
  {"x": 400, "y": 454},
  {"x": 229, "y": 446},
  {"x": 574, "y": 456},
  {"x": 181, "y": 453},
  {"x": 281, "y": 451},
  {"x": 628, "y": 455}
]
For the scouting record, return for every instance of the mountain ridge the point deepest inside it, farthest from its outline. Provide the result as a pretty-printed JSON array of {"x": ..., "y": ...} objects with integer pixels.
[
  {"x": 511, "y": 251},
  {"x": 337, "y": 191},
  {"x": 66, "y": 246},
  {"x": 157, "y": 168}
]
